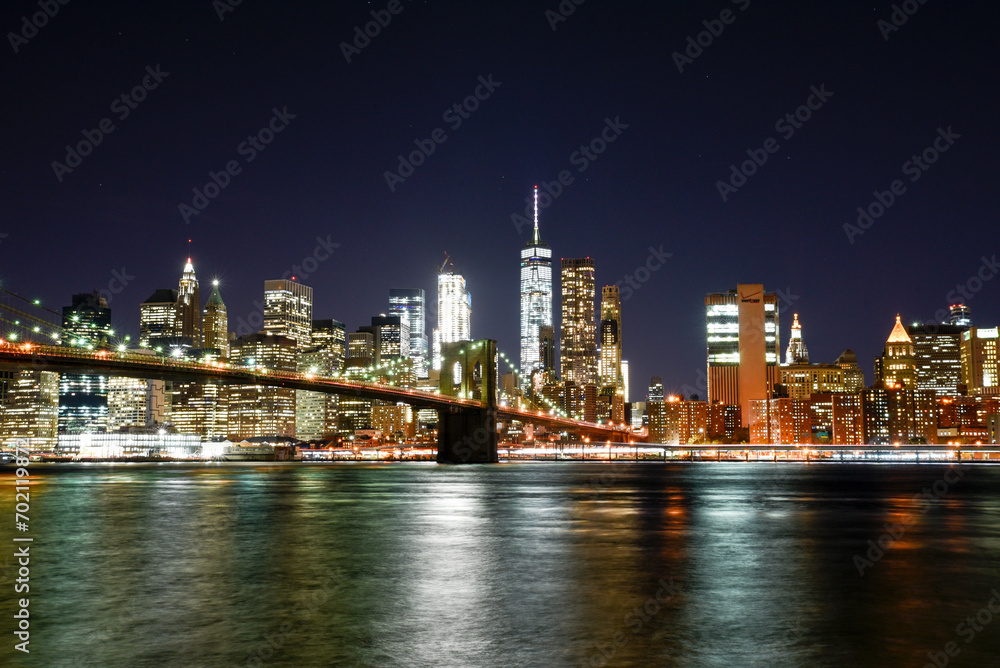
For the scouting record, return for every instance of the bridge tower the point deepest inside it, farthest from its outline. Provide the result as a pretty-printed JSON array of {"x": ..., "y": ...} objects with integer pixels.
[{"x": 467, "y": 434}]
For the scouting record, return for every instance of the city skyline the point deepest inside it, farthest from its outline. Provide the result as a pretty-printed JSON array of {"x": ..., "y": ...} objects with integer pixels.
[{"x": 650, "y": 188}]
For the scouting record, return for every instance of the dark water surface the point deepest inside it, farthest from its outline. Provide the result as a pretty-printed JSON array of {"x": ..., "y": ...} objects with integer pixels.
[{"x": 543, "y": 564}]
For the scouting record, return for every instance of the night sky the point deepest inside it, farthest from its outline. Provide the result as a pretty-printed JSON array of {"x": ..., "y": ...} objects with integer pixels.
[{"x": 323, "y": 175}]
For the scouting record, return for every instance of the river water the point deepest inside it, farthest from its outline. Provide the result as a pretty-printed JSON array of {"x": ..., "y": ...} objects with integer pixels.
[{"x": 526, "y": 564}]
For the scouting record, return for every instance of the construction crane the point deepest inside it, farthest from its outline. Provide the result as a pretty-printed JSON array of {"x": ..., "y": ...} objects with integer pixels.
[{"x": 447, "y": 261}]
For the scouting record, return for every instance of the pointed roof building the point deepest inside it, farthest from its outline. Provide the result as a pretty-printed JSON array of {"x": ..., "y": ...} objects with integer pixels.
[{"x": 796, "y": 353}]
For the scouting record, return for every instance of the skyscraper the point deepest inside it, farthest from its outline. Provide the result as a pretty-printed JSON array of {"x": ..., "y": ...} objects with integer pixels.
[
  {"x": 979, "y": 360},
  {"x": 896, "y": 367},
  {"x": 578, "y": 338},
  {"x": 611, "y": 340},
  {"x": 454, "y": 313},
  {"x": 960, "y": 316},
  {"x": 410, "y": 305},
  {"x": 743, "y": 346},
  {"x": 796, "y": 352},
  {"x": 536, "y": 299},
  {"x": 188, "y": 319},
  {"x": 216, "y": 323},
  {"x": 157, "y": 318},
  {"x": 288, "y": 310},
  {"x": 262, "y": 410},
  {"x": 937, "y": 353},
  {"x": 83, "y": 398}
]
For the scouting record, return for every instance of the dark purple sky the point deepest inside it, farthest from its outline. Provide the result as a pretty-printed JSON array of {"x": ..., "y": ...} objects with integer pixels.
[{"x": 323, "y": 174}]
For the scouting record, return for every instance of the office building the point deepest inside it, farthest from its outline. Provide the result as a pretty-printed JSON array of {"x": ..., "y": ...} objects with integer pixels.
[
  {"x": 611, "y": 341},
  {"x": 157, "y": 319},
  {"x": 803, "y": 380},
  {"x": 536, "y": 300},
  {"x": 188, "y": 320},
  {"x": 262, "y": 410},
  {"x": 454, "y": 313},
  {"x": 410, "y": 305},
  {"x": 31, "y": 410},
  {"x": 83, "y": 398},
  {"x": 578, "y": 334},
  {"x": 979, "y": 360},
  {"x": 937, "y": 356},
  {"x": 854, "y": 377},
  {"x": 216, "y": 324},
  {"x": 796, "y": 352},
  {"x": 960, "y": 316},
  {"x": 288, "y": 311},
  {"x": 625, "y": 392},
  {"x": 896, "y": 367},
  {"x": 743, "y": 346}
]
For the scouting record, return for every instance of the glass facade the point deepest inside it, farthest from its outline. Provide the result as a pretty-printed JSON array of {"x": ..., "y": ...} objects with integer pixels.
[
  {"x": 410, "y": 305},
  {"x": 536, "y": 299},
  {"x": 288, "y": 310},
  {"x": 454, "y": 313},
  {"x": 578, "y": 344}
]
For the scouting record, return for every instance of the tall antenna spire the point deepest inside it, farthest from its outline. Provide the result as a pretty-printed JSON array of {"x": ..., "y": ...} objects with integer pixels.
[{"x": 536, "y": 239}]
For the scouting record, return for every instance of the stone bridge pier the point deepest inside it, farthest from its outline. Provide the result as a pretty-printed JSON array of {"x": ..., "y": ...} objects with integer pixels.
[{"x": 468, "y": 434}]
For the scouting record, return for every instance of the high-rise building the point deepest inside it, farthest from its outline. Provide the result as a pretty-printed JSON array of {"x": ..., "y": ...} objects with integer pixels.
[
  {"x": 796, "y": 352},
  {"x": 454, "y": 313},
  {"x": 129, "y": 403},
  {"x": 199, "y": 407},
  {"x": 288, "y": 307},
  {"x": 685, "y": 421},
  {"x": 854, "y": 377},
  {"x": 158, "y": 318},
  {"x": 391, "y": 338},
  {"x": 803, "y": 380},
  {"x": 655, "y": 392},
  {"x": 979, "y": 360},
  {"x": 360, "y": 348},
  {"x": 937, "y": 354},
  {"x": 743, "y": 346},
  {"x": 578, "y": 334},
  {"x": 899, "y": 415},
  {"x": 896, "y": 367},
  {"x": 611, "y": 340},
  {"x": 331, "y": 335},
  {"x": 188, "y": 319},
  {"x": 31, "y": 410},
  {"x": 536, "y": 299},
  {"x": 83, "y": 398},
  {"x": 625, "y": 393},
  {"x": 262, "y": 410},
  {"x": 410, "y": 305},
  {"x": 960, "y": 316},
  {"x": 216, "y": 323}
]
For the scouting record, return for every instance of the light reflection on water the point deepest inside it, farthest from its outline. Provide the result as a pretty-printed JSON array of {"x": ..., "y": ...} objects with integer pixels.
[{"x": 554, "y": 564}]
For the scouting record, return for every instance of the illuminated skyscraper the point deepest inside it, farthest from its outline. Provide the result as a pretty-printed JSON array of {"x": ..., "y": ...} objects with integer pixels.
[
  {"x": 625, "y": 393},
  {"x": 961, "y": 316},
  {"x": 743, "y": 346},
  {"x": 83, "y": 398},
  {"x": 409, "y": 304},
  {"x": 796, "y": 352},
  {"x": 578, "y": 345},
  {"x": 188, "y": 319},
  {"x": 216, "y": 323},
  {"x": 980, "y": 360},
  {"x": 262, "y": 410},
  {"x": 536, "y": 299},
  {"x": 896, "y": 367},
  {"x": 31, "y": 410},
  {"x": 157, "y": 318},
  {"x": 288, "y": 310},
  {"x": 937, "y": 353},
  {"x": 611, "y": 340},
  {"x": 454, "y": 313}
]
